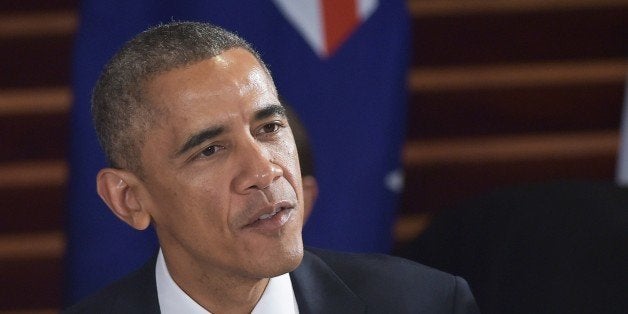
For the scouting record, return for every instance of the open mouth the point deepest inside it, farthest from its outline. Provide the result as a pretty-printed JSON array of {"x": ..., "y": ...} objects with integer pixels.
[
  {"x": 274, "y": 219},
  {"x": 269, "y": 215}
]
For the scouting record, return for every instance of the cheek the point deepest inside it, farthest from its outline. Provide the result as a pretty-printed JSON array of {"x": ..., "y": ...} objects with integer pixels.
[
  {"x": 209, "y": 199},
  {"x": 288, "y": 157},
  {"x": 186, "y": 199}
]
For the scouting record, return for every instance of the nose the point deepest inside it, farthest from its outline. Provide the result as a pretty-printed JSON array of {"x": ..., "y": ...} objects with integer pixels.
[{"x": 256, "y": 169}]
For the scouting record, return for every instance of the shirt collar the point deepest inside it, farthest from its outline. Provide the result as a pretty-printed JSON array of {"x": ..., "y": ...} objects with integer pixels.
[{"x": 174, "y": 300}]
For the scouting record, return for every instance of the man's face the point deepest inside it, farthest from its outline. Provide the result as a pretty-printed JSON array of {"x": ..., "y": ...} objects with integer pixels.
[{"x": 221, "y": 173}]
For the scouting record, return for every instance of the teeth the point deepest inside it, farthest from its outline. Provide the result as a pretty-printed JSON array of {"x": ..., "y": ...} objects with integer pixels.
[{"x": 266, "y": 216}]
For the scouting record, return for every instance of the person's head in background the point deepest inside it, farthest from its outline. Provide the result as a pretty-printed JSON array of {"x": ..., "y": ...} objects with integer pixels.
[{"x": 306, "y": 159}]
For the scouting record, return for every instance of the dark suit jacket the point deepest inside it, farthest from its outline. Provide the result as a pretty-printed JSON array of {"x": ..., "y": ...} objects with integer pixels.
[{"x": 325, "y": 282}]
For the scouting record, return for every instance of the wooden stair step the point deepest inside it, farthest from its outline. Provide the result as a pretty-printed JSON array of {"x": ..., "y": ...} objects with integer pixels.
[
  {"x": 576, "y": 33},
  {"x": 517, "y": 110}
]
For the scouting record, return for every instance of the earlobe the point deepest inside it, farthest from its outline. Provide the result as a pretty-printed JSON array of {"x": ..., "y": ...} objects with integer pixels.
[{"x": 119, "y": 190}]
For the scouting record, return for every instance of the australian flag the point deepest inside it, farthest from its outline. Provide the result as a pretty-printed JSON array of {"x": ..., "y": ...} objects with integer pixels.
[{"x": 340, "y": 63}]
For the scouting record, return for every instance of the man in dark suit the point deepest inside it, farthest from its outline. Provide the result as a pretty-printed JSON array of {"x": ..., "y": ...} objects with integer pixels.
[{"x": 200, "y": 148}]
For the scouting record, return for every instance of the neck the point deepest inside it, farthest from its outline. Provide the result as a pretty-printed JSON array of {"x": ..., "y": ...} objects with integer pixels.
[
  {"x": 239, "y": 298},
  {"x": 215, "y": 291}
]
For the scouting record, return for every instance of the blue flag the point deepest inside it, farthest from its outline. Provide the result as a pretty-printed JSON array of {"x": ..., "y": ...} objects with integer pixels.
[{"x": 340, "y": 64}]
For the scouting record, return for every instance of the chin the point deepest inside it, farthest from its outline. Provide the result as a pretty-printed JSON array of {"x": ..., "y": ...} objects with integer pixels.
[
  {"x": 287, "y": 259},
  {"x": 294, "y": 256},
  {"x": 288, "y": 265}
]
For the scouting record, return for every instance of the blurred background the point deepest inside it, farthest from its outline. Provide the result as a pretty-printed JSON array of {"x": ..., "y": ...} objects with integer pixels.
[{"x": 499, "y": 93}]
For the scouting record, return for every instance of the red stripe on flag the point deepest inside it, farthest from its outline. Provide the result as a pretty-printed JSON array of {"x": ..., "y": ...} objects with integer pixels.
[{"x": 340, "y": 17}]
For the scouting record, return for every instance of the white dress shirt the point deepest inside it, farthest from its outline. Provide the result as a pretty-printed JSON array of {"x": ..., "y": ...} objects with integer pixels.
[{"x": 278, "y": 297}]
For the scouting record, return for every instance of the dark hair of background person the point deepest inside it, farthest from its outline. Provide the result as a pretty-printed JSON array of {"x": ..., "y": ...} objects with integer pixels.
[{"x": 119, "y": 109}]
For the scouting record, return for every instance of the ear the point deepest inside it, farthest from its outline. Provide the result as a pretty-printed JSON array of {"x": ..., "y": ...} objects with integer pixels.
[
  {"x": 119, "y": 189},
  {"x": 310, "y": 193}
]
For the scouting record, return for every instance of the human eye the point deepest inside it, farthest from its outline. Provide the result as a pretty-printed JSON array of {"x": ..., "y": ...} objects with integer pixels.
[
  {"x": 209, "y": 151},
  {"x": 270, "y": 128}
]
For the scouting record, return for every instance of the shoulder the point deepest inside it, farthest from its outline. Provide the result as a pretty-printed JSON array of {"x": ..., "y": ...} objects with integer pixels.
[
  {"x": 376, "y": 264},
  {"x": 359, "y": 269},
  {"x": 135, "y": 293},
  {"x": 384, "y": 281}
]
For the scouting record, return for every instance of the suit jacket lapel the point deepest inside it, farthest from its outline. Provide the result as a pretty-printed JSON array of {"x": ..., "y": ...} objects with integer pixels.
[{"x": 319, "y": 290}]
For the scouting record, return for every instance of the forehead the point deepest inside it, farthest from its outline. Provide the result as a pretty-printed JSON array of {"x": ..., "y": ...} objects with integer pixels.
[{"x": 231, "y": 81}]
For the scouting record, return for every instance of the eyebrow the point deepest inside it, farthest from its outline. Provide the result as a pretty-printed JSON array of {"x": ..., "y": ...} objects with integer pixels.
[
  {"x": 269, "y": 111},
  {"x": 208, "y": 134},
  {"x": 199, "y": 138}
]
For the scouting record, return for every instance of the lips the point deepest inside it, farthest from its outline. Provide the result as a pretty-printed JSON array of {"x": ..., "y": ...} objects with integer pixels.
[
  {"x": 266, "y": 216},
  {"x": 271, "y": 217}
]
